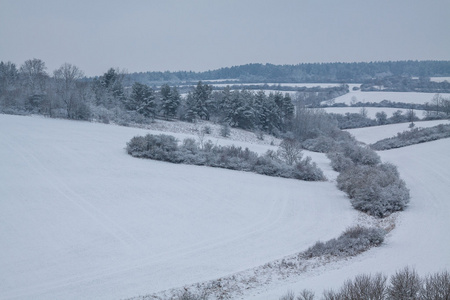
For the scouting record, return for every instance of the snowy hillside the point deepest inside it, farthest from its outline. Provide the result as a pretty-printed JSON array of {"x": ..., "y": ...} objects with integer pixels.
[
  {"x": 406, "y": 97},
  {"x": 370, "y": 135},
  {"x": 420, "y": 239},
  {"x": 81, "y": 219}
]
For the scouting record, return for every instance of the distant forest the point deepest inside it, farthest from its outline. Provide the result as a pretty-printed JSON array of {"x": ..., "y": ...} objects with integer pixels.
[{"x": 310, "y": 72}]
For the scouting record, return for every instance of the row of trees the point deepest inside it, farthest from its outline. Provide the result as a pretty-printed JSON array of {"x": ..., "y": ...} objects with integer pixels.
[
  {"x": 404, "y": 284},
  {"x": 67, "y": 93},
  {"x": 308, "y": 72},
  {"x": 406, "y": 84},
  {"x": 243, "y": 109},
  {"x": 31, "y": 88}
]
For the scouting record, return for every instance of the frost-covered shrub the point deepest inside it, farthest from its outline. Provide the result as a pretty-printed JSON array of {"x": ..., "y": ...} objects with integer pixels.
[
  {"x": 340, "y": 162},
  {"x": 322, "y": 144},
  {"x": 352, "y": 242},
  {"x": 288, "y": 296},
  {"x": 359, "y": 154},
  {"x": 160, "y": 147},
  {"x": 166, "y": 148},
  {"x": 267, "y": 165},
  {"x": 376, "y": 190},
  {"x": 187, "y": 295},
  {"x": 306, "y": 295},
  {"x": 308, "y": 170},
  {"x": 436, "y": 286},
  {"x": 405, "y": 284}
]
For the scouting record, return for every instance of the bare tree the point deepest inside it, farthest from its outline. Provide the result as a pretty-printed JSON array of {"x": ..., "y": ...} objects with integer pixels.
[
  {"x": 67, "y": 79},
  {"x": 34, "y": 81},
  {"x": 290, "y": 150}
]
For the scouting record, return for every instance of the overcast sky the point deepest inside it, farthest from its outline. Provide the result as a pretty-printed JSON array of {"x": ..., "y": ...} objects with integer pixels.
[{"x": 150, "y": 35}]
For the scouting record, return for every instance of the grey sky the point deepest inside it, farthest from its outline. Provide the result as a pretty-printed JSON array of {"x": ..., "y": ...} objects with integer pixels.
[{"x": 140, "y": 35}]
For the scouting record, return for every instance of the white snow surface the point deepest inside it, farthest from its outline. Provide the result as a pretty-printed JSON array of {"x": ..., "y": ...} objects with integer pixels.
[
  {"x": 370, "y": 135},
  {"x": 405, "y": 97},
  {"x": 420, "y": 239},
  {"x": 82, "y": 219}
]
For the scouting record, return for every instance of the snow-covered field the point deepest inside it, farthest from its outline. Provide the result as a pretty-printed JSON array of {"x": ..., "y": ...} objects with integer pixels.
[
  {"x": 420, "y": 239},
  {"x": 296, "y": 85},
  {"x": 370, "y": 135},
  {"x": 406, "y": 97},
  {"x": 371, "y": 111},
  {"x": 81, "y": 219}
]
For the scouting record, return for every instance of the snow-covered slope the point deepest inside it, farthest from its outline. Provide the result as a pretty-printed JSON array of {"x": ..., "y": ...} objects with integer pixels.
[
  {"x": 370, "y": 135},
  {"x": 406, "y": 97},
  {"x": 81, "y": 219},
  {"x": 421, "y": 238}
]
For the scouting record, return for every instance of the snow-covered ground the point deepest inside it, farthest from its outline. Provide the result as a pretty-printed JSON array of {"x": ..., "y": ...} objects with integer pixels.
[
  {"x": 81, "y": 219},
  {"x": 370, "y": 135},
  {"x": 371, "y": 111},
  {"x": 440, "y": 79},
  {"x": 296, "y": 85},
  {"x": 420, "y": 239},
  {"x": 406, "y": 97}
]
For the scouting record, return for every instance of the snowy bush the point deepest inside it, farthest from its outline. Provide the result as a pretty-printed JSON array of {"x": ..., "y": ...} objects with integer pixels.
[
  {"x": 436, "y": 286},
  {"x": 339, "y": 162},
  {"x": 413, "y": 136},
  {"x": 376, "y": 190},
  {"x": 352, "y": 242},
  {"x": 360, "y": 155},
  {"x": 166, "y": 148},
  {"x": 322, "y": 144},
  {"x": 404, "y": 284}
]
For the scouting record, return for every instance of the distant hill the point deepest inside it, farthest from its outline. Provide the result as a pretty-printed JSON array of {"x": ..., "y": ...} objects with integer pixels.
[{"x": 310, "y": 72}]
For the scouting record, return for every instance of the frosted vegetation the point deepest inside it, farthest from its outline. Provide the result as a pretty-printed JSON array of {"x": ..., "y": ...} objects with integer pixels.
[
  {"x": 373, "y": 187},
  {"x": 413, "y": 136},
  {"x": 350, "y": 243},
  {"x": 404, "y": 284},
  {"x": 287, "y": 162}
]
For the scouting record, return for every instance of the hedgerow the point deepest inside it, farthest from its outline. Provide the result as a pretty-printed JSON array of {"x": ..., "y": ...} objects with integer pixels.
[
  {"x": 413, "y": 136},
  {"x": 166, "y": 148}
]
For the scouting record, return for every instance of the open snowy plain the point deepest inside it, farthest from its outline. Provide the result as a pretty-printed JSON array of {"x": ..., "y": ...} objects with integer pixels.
[{"x": 81, "y": 219}]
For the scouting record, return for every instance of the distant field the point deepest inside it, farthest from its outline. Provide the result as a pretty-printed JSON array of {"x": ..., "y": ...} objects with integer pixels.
[
  {"x": 370, "y": 135},
  {"x": 371, "y": 111},
  {"x": 406, "y": 97}
]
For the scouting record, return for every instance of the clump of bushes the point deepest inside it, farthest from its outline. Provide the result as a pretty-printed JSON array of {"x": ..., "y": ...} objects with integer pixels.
[
  {"x": 374, "y": 189},
  {"x": 287, "y": 162},
  {"x": 404, "y": 284},
  {"x": 413, "y": 136},
  {"x": 352, "y": 242}
]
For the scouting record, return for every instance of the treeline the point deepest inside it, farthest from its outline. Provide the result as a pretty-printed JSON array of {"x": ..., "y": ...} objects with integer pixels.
[
  {"x": 359, "y": 120},
  {"x": 67, "y": 94},
  {"x": 307, "y": 72},
  {"x": 405, "y": 84}
]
